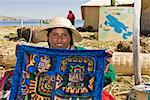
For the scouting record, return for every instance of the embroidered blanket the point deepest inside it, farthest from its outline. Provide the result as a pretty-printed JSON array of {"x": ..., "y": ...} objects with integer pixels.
[{"x": 56, "y": 74}]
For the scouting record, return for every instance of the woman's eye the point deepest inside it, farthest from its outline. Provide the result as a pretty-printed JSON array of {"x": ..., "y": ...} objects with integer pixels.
[
  {"x": 65, "y": 35},
  {"x": 55, "y": 35}
]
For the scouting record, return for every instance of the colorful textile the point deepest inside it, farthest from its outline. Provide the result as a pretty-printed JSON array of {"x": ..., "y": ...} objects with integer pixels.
[
  {"x": 54, "y": 74},
  {"x": 107, "y": 96},
  {"x": 5, "y": 85},
  {"x": 110, "y": 74}
]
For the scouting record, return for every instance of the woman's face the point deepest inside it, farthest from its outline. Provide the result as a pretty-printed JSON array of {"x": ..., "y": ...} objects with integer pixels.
[{"x": 59, "y": 38}]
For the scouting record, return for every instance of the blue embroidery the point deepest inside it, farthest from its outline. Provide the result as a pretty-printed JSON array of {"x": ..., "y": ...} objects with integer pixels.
[{"x": 55, "y": 74}]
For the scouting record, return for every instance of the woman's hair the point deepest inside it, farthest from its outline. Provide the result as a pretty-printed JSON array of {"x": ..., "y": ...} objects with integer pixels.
[
  {"x": 69, "y": 31},
  {"x": 70, "y": 11}
]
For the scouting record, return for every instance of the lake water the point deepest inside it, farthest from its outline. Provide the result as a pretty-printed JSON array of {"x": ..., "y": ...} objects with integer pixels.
[{"x": 78, "y": 23}]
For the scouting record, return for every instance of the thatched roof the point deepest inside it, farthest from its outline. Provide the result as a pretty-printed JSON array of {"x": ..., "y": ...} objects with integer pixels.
[
  {"x": 97, "y": 3},
  {"x": 124, "y": 2},
  {"x": 106, "y": 2}
]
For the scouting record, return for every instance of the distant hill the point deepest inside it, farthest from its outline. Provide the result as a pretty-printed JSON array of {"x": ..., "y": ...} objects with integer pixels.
[
  {"x": 17, "y": 18},
  {"x": 6, "y": 18}
]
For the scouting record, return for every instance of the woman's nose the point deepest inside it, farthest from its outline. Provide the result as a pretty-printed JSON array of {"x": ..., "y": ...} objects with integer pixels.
[{"x": 60, "y": 38}]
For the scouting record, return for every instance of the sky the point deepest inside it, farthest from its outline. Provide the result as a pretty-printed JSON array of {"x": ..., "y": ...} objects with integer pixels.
[
  {"x": 43, "y": 9},
  {"x": 40, "y": 8}
]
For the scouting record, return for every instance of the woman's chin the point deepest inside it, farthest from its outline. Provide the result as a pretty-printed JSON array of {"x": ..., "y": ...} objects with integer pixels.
[{"x": 60, "y": 47}]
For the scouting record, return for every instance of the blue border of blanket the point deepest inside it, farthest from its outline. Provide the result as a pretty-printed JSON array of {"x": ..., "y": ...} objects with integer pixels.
[{"x": 21, "y": 52}]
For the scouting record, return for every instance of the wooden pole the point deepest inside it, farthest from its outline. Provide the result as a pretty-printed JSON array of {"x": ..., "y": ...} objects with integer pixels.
[
  {"x": 21, "y": 22},
  {"x": 136, "y": 42},
  {"x": 112, "y": 2},
  {"x": 21, "y": 27}
]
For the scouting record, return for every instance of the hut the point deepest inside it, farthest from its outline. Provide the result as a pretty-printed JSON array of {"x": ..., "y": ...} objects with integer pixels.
[
  {"x": 91, "y": 9},
  {"x": 145, "y": 19},
  {"x": 90, "y": 12}
]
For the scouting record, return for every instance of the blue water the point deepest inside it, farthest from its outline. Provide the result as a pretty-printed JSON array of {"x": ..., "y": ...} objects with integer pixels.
[{"x": 78, "y": 23}]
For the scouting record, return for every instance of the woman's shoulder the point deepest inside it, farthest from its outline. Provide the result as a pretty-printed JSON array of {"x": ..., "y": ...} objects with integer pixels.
[{"x": 79, "y": 48}]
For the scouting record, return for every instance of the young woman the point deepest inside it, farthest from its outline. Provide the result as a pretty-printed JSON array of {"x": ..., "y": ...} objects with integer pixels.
[{"x": 62, "y": 34}]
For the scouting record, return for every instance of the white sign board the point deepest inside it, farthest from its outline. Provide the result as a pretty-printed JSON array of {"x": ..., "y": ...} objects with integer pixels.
[{"x": 116, "y": 23}]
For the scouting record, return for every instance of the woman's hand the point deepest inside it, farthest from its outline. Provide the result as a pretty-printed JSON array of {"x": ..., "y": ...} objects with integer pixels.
[
  {"x": 16, "y": 49},
  {"x": 109, "y": 54},
  {"x": 21, "y": 41}
]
